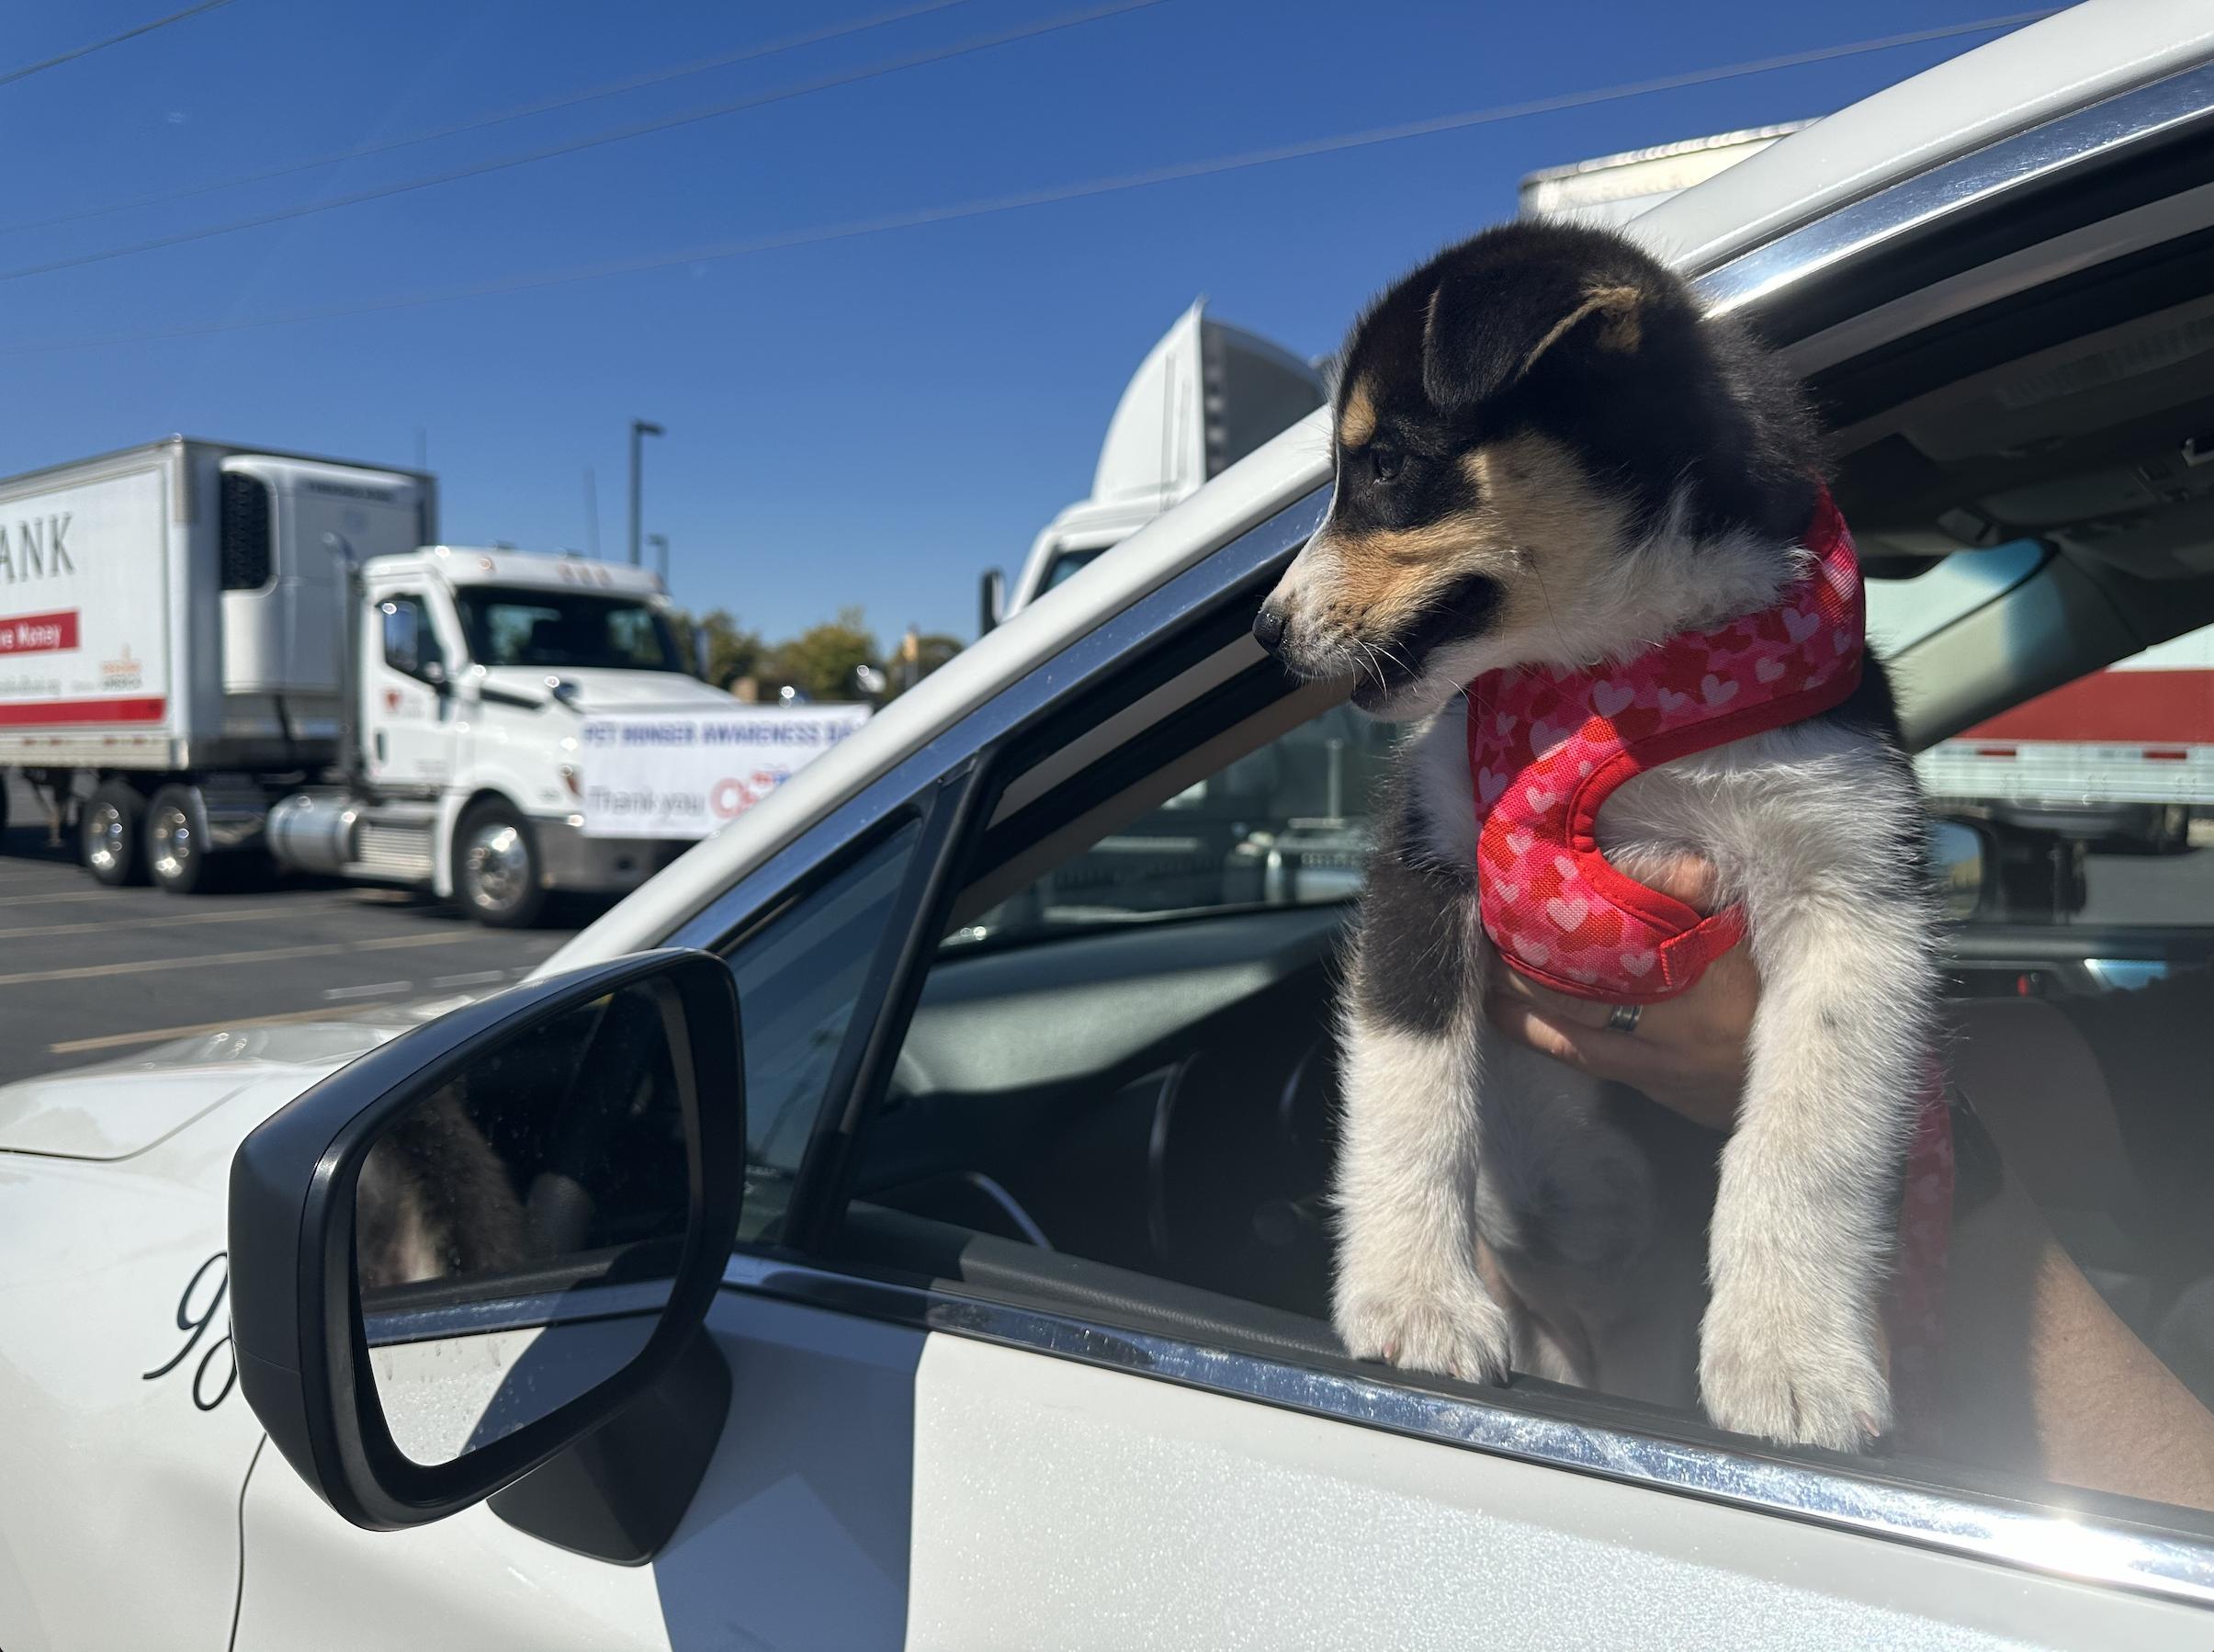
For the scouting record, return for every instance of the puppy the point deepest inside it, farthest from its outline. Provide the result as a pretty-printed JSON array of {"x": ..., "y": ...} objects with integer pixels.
[
  {"x": 1550, "y": 472},
  {"x": 434, "y": 1201}
]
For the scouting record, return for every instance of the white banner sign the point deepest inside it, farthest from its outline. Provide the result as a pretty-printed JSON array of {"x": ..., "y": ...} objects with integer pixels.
[{"x": 683, "y": 774}]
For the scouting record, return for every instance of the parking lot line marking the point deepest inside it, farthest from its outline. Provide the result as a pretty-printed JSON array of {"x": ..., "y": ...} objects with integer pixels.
[
  {"x": 73, "y": 1046},
  {"x": 475, "y": 978},
  {"x": 263, "y": 956},
  {"x": 120, "y": 923},
  {"x": 371, "y": 991},
  {"x": 89, "y": 891}
]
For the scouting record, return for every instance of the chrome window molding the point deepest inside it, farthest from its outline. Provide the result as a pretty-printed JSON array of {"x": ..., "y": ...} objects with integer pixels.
[
  {"x": 2086, "y": 1548},
  {"x": 2041, "y": 154},
  {"x": 1083, "y": 665}
]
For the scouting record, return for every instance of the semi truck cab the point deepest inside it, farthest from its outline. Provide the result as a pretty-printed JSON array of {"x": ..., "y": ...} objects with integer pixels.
[{"x": 475, "y": 669}]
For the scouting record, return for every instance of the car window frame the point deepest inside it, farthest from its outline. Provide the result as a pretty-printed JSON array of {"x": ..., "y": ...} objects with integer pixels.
[{"x": 1789, "y": 289}]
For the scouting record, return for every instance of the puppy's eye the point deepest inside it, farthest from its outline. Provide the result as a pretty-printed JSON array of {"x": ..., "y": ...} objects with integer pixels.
[{"x": 1385, "y": 463}]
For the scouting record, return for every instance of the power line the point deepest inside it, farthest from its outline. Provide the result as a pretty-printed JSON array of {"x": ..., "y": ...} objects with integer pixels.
[
  {"x": 855, "y": 228},
  {"x": 13, "y": 75},
  {"x": 523, "y": 111},
  {"x": 599, "y": 140}
]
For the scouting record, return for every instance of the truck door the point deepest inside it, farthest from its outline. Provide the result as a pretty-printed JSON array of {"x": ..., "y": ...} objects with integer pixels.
[{"x": 408, "y": 710}]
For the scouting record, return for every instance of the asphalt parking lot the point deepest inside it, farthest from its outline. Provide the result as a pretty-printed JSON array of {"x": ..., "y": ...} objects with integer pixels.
[{"x": 89, "y": 973}]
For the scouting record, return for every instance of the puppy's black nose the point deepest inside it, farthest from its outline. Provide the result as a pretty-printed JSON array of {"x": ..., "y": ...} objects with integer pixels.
[{"x": 1269, "y": 628}]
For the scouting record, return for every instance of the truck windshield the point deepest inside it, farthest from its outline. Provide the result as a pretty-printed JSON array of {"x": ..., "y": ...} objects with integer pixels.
[{"x": 572, "y": 628}]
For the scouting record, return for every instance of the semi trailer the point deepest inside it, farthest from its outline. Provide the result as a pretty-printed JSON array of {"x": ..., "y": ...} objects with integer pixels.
[{"x": 213, "y": 657}]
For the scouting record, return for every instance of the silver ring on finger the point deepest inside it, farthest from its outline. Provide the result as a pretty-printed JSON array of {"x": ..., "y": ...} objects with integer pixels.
[{"x": 1625, "y": 1018}]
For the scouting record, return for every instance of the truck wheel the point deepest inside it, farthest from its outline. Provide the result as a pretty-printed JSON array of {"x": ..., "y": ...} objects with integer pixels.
[
  {"x": 176, "y": 843},
  {"x": 496, "y": 867},
  {"x": 113, "y": 834}
]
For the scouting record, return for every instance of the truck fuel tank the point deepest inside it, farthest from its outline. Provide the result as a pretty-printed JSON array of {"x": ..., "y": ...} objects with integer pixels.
[{"x": 313, "y": 831}]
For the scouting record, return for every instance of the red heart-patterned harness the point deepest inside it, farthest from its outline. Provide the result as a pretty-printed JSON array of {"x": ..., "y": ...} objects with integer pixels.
[{"x": 1546, "y": 747}]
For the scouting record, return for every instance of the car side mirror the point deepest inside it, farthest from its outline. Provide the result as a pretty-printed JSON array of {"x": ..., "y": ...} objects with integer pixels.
[
  {"x": 476, "y": 1245},
  {"x": 1962, "y": 858}
]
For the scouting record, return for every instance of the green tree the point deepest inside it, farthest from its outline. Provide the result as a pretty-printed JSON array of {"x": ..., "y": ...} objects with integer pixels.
[
  {"x": 733, "y": 651},
  {"x": 822, "y": 659}
]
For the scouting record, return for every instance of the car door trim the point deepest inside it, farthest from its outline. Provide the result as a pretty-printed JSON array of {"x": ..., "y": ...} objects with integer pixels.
[
  {"x": 1770, "y": 274},
  {"x": 2088, "y": 1548}
]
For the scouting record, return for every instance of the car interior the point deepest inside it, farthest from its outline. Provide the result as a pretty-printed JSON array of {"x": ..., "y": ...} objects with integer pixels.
[{"x": 1118, "y": 1088}]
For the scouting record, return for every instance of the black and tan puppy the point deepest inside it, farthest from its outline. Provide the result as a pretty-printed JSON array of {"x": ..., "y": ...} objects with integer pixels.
[{"x": 1547, "y": 460}]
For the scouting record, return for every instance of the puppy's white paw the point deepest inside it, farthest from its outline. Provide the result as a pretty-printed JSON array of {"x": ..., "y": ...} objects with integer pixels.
[
  {"x": 1794, "y": 1377},
  {"x": 1450, "y": 1330}
]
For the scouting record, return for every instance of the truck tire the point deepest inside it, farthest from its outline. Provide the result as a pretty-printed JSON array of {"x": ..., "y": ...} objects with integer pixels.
[
  {"x": 177, "y": 857},
  {"x": 113, "y": 834},
  {"x": 496, "y": 867}
]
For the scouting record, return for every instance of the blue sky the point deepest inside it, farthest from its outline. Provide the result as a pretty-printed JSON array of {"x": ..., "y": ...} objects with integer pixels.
[{"x": 863, "y": 421}]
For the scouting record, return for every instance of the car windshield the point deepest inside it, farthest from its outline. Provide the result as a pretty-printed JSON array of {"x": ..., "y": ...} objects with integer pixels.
[
  {"x": 565, "y": 628},
  {"x": 1068, "y": 564}
]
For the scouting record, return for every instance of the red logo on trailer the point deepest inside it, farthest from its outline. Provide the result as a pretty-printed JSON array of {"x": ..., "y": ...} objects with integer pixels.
[{"x": 39, "y": 633}]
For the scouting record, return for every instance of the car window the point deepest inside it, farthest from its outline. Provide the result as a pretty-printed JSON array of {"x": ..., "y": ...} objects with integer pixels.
[
  {"x": 1286, "y": 825},
  {"x": 1132, "y": 1062},
  {"x": 1903, "y": 611},
  {"x": 2096, "y": 797},
  {"x": 800, "y": 976},
  {"x": 410, "y": 643},
  {"x": 1068, "y": 564}
]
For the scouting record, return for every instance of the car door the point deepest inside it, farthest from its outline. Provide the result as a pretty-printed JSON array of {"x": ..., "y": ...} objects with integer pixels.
[{"x": 409, "y": 730}]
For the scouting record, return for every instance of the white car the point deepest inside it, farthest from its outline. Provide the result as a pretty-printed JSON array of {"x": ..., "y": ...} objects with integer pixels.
[{"x": 1021, "y": 1341}]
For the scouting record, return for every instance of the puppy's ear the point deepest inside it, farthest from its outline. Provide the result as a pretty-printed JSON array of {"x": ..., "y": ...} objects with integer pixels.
[{"x": 1482, "y": 334}]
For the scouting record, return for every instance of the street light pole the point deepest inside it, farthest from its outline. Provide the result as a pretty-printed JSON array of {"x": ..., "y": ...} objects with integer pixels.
[
  {"x": 660, "y": 556},
  {"x": 638, "y": 429}
]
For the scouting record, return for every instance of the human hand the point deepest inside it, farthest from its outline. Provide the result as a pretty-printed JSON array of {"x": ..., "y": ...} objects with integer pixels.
[{"x": 1688, "y": 1053}]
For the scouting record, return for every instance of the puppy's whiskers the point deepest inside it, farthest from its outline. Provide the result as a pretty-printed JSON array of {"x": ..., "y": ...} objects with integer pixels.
[{"x": 1552, "y": 615}]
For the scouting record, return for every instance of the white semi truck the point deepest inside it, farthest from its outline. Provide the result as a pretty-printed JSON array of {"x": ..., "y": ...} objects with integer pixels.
[{"x": 209, "y": 654}]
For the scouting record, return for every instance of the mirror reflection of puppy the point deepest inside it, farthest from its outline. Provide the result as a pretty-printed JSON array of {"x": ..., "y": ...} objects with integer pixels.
[
  {"x": 434, "y": 1201},
  {"x": 1550, "y": 473}
]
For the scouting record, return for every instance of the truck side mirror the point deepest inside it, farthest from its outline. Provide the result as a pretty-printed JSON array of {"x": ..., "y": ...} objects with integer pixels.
[
  {"x": 992, "y": 601},
  {"x": 473, "y": 1248}
]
